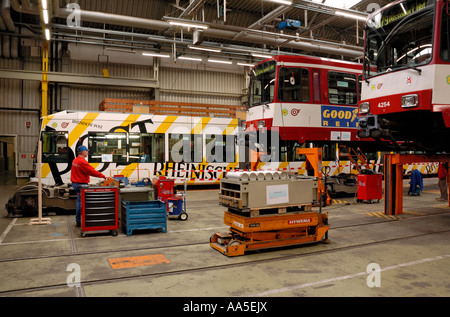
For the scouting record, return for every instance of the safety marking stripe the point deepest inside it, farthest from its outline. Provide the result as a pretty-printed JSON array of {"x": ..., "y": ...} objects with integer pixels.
[
  {"x": 381, "y": 214},
  {"x": 135, "y": 261},
  {"x": 445, "y": 206},
  {"x": 165, "y": 125},
  {"x": 338, "y": 201}
]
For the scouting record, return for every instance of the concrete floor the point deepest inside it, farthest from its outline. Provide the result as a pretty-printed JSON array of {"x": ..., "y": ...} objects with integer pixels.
[{"x": 412, "y": 250}]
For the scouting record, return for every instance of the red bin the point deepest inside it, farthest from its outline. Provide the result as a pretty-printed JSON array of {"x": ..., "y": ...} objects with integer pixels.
[
  {"x": 164, "y": 187},
  {"x": 369, "y": 187}
]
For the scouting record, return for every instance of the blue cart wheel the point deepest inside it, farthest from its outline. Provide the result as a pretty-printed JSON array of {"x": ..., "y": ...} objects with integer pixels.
[{"x": 183, "y": 216}]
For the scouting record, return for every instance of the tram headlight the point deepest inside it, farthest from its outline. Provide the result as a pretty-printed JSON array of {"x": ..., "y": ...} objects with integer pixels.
[
  {"x": 364, "y": 107},
  {"x": 261, "y": 124},
  {"x": 410, "y": 101}
]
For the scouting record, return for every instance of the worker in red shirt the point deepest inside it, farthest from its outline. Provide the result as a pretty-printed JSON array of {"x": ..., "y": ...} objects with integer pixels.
[{"x": 81, "y": 170}]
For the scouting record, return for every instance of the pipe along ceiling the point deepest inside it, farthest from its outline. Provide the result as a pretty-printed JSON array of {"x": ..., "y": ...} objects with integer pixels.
[{"x": 248, "y": 35}]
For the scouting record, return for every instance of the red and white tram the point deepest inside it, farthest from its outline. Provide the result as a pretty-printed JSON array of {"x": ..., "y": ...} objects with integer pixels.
[
  {"x": 406, "y": 87},
  {"x": 303, "y": 101}
]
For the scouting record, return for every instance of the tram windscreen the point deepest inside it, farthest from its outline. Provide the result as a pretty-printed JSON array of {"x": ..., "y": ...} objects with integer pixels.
[
  {"x": 262, "y": 83},
  {"x": 399, "y": 37}
]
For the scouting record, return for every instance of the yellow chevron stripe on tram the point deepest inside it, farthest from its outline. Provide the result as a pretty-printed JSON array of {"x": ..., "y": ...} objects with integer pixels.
[
  {"x": 81, "y": 127},
  {"x": 165, "y": 125},
  {"x": 129, "y": 169},
  {"x": 132, "y": 118},
  {"x": 45, "y": 170},
  {"x": 46, "y": 120},
  {"x": 200, "y": 126},
  {"x": 231, "y": 127}
]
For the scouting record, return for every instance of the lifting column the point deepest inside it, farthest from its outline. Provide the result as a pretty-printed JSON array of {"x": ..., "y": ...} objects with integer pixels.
[{"x": 393, "y": 178}]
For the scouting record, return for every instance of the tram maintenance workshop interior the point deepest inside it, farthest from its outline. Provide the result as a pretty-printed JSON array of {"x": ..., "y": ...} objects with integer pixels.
[{"x": 307, "y": 210}]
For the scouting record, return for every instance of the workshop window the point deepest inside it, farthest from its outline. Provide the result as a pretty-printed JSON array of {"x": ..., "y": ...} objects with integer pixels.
[
  {"x": 220, "y": 148},
  {"x": 146, "y": 147},
  {"x": 55, "y": 147},
  {"x": 107, "y": 147},
  {"x": 342, "y": 88},
  {"x": 185, "y": 148}
]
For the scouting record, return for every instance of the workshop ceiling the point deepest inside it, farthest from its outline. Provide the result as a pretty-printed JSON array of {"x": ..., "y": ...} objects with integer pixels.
[{"x": 235, "y": 28}]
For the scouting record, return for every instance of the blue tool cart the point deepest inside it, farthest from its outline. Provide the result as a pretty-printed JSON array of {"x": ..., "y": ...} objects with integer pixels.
[{"x": 138, "y": 215}]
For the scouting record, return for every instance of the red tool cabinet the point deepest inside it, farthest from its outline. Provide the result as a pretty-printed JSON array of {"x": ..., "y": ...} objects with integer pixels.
[
  {"x": 369, "y": 187},
  {"x": 99, "y": 210}
]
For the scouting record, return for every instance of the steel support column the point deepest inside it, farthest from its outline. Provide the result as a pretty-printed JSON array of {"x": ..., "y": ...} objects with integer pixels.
[
  {"x": 44, "y": 81},
  {"x": 393, "y": 178}
]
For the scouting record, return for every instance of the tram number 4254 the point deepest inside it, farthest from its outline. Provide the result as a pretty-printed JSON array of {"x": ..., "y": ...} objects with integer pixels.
[{"x": 384, "y": 104}]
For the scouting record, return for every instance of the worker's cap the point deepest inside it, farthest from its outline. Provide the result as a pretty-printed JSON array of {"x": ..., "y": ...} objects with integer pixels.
[{"x": 82, "y": 148}]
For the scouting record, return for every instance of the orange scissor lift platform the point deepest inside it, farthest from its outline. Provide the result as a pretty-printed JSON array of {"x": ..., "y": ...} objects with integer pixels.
[{"x": 269, "y": 231}]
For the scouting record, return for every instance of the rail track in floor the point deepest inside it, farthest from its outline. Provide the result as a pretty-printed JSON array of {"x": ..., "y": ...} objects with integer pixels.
[{"x": 248, "y": 260}]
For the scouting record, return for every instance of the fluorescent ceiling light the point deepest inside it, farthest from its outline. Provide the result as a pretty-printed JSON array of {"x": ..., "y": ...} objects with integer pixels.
[
  {"x": 261, "y": 55},
  {"x": 349, "y": 15},
  {"x": 44, "y": 4},
  {"x": 45, "y": 15},
  {"x": 47, "y": 34},
  {"x": 245, "y": 64},
  {"x": 190, "y": 58},
  {"x": 156, "y": 55},
  {"x": 219, "y": 61},
  {"x": 201, "y": 48},
  {"x": 285, "y": 2},
  {"x": 189, "y": 24}
]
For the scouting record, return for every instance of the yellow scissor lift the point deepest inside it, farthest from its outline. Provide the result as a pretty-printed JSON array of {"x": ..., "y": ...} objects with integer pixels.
[
  {"x": 269, "y": 231},
  {"x": 270, "y": 227}
]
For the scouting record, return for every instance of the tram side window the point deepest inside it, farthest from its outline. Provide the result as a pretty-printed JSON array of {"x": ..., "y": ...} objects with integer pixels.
[
  {"x": 55, "y": 147},
  {"x": 342, "y": 88},
  {"x": 185, "y": 148},
  {"x": 220, "y": 148},
  {"x": 107, "y": 147},
  {"x": 445, "y": 36},
  {"x": 146, "y": 147},
  {"x": 288, "y": 151},
  {"x": 293, "y": 84}
]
